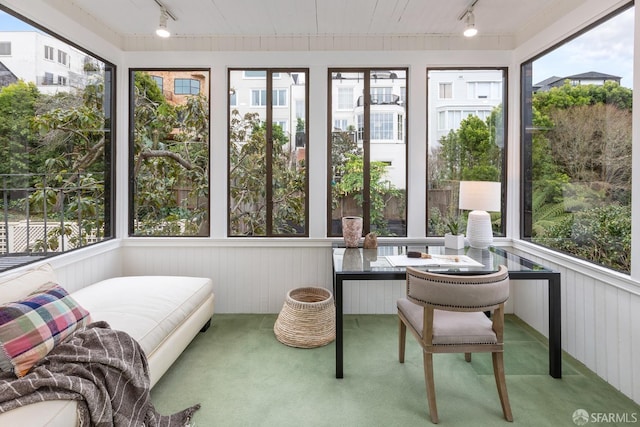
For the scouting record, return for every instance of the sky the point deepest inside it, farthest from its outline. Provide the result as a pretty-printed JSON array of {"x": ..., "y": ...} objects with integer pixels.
[
  {"x": 10, "y": 23},
  {"x": 607, "y": 48}
]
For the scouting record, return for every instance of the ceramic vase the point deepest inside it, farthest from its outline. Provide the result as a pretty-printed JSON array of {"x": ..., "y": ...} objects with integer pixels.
[{"x": 351, "y": 230}]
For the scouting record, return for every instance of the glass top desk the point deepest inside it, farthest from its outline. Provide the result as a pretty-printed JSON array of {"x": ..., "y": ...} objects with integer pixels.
[{"x": 381, "y": 264}]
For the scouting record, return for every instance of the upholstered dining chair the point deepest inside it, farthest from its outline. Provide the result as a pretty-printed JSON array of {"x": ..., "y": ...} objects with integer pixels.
[{"x": 446, "y": 314}]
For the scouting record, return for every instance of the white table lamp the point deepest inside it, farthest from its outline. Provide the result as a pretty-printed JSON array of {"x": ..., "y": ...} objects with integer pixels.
[{"x": 479, "y": 197}]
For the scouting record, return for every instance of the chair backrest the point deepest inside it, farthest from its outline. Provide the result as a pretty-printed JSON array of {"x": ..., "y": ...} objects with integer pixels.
[{"x": 455, "y": 292}]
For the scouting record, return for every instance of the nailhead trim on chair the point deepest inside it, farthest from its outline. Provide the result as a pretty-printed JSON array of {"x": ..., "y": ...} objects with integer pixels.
[{"x": 456, "y": 306}]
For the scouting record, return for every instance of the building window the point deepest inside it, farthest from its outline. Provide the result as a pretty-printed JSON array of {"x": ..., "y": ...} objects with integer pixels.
[
  {"x": 169, "y": 156},
  {"x": 63, "y": 58},
  {"x": 366, "y": 139},
  {"x": 186, "y": 86},
  {"x": 483, "y": 90},
  {"x": 382, "y": 95},
  {"x": 345, "y": 98},
  {"x": 381, "y": 126},
  {"x": 340, "y": 124},
  {"x": 56, "y": 198},
  {"x": 445, "y": 90},
  {"x": 5, "y": 48},
  {"x": 279, "y": 97},
  {"x": 577, "y": 142},
  {"x": 49, "y": 53},
  {"x": 268, "y": 156},
  {"x": 259, "y": 74},
  {"x": 465, "y": 141},
  {"x": 159, "y": 81},
  {"x": 258, "y": 97}
]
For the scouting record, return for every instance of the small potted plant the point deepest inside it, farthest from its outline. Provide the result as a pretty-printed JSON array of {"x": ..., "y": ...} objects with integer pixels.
[{"x": 454, "y": 239}]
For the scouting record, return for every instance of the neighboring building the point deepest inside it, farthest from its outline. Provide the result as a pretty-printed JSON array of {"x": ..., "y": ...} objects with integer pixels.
[
  {"x": 456, "y": 94},
  {"x": 387, "y": 116},
  {"x": 249, "y": 95},
  {"x": 588, "y": 78},
  {"x": 176, "y": 86},
  {"x": 51, "y": 64}
]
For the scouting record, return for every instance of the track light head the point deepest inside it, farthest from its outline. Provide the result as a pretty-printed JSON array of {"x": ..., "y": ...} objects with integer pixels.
[
  {"x": 162, "y": 30},
  {"x": 470, "y": 29}
]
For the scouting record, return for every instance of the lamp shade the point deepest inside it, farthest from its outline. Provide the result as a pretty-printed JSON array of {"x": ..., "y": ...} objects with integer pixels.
[{"x": 480, "y": 196}]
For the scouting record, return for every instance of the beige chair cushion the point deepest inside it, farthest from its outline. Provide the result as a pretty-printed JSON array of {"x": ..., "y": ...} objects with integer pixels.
[
  {"x": 451, "y": 327},
  {"x": 460, "y": 292}
]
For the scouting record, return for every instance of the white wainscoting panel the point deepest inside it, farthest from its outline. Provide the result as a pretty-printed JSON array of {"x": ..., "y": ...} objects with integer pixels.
[
  {"x": 600, "y": 316},
  {"x": 600, "y": 321}
]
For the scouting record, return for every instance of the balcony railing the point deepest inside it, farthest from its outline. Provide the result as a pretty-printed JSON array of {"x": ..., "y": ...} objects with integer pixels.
[{"x": 45, "y": 214}]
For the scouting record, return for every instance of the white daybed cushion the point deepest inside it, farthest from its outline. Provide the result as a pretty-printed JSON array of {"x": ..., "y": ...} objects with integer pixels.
[{"x": 149, "y": 308}]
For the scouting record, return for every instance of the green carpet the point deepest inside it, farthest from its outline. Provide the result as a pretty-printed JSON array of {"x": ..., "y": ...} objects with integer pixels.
[{"x": 243, "y": 376}]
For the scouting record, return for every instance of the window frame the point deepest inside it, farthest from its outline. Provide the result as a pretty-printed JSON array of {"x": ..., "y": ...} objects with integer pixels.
[
  {"x": 268, "y": 93},
  {"x": 131, "y": 149},
  {"x": 110, "y": 94},
  {"x": 362, "y": 122},
  {"x": 526, "y": 131},
  {"x": 435, "y": 121}
]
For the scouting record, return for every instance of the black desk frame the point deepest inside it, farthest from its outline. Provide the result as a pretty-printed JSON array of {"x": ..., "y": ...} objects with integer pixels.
[{"x": 555, "y": 307}]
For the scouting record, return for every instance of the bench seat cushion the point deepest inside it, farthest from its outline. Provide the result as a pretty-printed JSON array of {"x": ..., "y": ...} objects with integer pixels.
[{"x": 149, "y": 308}]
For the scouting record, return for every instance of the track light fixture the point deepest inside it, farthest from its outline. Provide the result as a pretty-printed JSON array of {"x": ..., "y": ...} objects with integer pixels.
[
  {"x": 162, "y": 30},
  {"x": 470, "y": 29},
  {"x": 165, "y": 14}
]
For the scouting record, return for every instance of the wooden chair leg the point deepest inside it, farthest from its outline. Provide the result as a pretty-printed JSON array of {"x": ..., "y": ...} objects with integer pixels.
[
  {"x": 498, "y": 373},
  {"x": 467, "y": 357},
  {"x": 402, "y": 339},
  {"x": 431, "y": 388}
]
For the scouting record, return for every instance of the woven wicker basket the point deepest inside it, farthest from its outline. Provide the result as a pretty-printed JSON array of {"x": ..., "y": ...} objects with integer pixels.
[{"x": 307, "y": 318}]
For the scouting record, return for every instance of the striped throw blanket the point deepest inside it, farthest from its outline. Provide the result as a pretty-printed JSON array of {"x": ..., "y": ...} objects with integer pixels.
[{"x": 105, "y": 370}]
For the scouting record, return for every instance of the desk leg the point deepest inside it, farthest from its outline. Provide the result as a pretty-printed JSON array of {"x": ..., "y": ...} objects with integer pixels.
[
  {"x": 555, "y": 329},
  {"x": 337, "y": 295}
]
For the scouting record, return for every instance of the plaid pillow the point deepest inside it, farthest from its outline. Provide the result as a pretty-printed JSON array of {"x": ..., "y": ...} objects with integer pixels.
[{"x": 29, "y": 329}]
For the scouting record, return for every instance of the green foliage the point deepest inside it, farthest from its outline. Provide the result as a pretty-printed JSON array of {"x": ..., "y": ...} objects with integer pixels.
[
  {"x": 248, "y": 180},
  {"x": 601, "y": 235},
  {"x": 352, "y": 184},
  {"x": 471, "y": 152},
  {"x": 171, "y": 162},
  {"x": 582, "y": 172},
  {"x": 17, "y": 138}
]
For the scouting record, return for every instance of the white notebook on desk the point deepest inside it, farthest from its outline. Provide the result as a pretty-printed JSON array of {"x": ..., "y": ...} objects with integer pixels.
[{"x": 435, "y": 260}]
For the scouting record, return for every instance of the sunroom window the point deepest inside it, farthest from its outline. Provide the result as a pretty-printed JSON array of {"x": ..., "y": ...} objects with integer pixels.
[
  {"x": 268, "y": 153},
  {"x": 169, "y": 153},
  {"x": 368, "y": 149},
  {"x": 466, "y": 141},
  {"x": 576, "y": 136},
  {"x": 56, "y": 148}
]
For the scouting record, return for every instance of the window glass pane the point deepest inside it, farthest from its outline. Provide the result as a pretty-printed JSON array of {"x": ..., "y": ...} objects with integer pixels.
[
  {"x": 368, "y": 140},
  {"x": 267, "y": 154},
  {"x": 170, "y": 151},
  {"x": 466, "y": 142},
  {"x": 577, "y": 144},
  {"x": 55, "y": 144},
  {"x": 345, "y": 98}
]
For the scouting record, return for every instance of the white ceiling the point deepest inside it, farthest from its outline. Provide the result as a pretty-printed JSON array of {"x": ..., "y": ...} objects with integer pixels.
[{"x": 126, "y": 20}]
